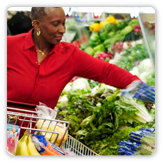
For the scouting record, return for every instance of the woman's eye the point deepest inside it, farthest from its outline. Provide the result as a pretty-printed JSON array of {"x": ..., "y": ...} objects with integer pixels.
[{"x": 55, "y": 24}]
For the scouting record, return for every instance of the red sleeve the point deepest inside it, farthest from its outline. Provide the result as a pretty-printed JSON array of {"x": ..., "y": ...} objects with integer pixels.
[{"x": 89, "y": 67}]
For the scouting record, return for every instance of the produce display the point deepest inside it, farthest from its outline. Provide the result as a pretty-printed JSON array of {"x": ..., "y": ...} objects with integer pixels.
[
  {"x": 99, "y": 116},
  {"x": 121, "y": 42}
]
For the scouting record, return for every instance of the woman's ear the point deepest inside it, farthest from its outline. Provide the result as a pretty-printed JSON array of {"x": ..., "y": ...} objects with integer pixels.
[{"x": 35, "y": 24}]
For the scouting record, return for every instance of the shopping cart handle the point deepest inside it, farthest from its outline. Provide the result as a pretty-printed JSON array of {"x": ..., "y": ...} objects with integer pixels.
[{"x": 9, "y": 102}]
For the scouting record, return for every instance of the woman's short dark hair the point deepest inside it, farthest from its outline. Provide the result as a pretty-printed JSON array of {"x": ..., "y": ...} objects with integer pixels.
[{"x": 38, "y": 13}]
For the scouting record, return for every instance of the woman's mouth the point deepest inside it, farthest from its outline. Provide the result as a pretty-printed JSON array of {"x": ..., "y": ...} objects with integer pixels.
[{"x": 59, "y": 38}]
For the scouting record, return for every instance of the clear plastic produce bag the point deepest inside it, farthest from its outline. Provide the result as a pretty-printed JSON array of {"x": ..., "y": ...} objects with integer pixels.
[
  {"x": 141, "y": 142},
  {"x": 141, "y": 91},
  {"x": 47, "y": 123}
]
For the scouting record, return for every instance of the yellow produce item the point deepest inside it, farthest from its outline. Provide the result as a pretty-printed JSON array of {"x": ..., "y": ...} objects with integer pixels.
[
  {"x": 23, "y": 146},
  {"x": 31, "y": 147},
  {"x": 18, "y": 146},
  {"x": 102, "y": 23},
  {"x": 115, "y": 21},
  {"x": 50, "y": 127},
  {"x": 95, "y": 27},
  {"x": 111, "y": 19}
]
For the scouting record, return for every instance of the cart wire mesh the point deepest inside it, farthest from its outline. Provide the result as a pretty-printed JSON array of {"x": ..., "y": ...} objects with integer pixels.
[{"x": 27, "y": 120}]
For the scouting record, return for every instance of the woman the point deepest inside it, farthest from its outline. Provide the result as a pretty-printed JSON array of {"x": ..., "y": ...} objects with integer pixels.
[{"x": 39, "y": 65}]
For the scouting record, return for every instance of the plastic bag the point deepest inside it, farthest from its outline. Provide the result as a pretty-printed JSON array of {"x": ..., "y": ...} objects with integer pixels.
[
  {"x": 139, "y": 90},
  {"x": 142, "y": 142},
  {"x": 44, "y": 147},
  {"x": 47, "y": 123}
]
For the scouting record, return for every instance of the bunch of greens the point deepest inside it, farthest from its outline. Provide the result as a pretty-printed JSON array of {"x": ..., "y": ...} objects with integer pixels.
[
  {"x": 131, "y": 57},
  {"x": 145, "y": 71},
  {"x": 103, "y": 118}
]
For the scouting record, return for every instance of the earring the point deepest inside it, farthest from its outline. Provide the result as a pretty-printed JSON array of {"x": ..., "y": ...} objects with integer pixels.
[
  {"x": 32, "y": 24},
  {"x": 38, "y": 33}
]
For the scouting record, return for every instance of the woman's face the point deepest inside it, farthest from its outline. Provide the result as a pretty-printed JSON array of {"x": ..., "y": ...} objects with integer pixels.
[{"x": 52, "y": 26}]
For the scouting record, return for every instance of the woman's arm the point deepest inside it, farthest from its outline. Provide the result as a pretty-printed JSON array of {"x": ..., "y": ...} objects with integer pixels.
[{"x": 89, "y": 67}]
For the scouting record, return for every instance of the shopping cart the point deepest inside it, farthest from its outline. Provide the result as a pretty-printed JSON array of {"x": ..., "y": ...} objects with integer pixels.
[{"x": 25, "y": 116}]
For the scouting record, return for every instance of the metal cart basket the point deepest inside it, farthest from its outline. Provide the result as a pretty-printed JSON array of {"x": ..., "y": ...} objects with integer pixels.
[{"x": 27, "y": 120}]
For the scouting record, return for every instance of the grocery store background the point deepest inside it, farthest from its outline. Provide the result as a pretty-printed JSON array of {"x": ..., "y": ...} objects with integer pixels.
[{"x": 79, "y": 20}]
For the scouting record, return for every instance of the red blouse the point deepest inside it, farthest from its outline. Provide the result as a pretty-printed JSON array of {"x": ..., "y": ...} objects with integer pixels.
[{"x": 32, "y": 83}]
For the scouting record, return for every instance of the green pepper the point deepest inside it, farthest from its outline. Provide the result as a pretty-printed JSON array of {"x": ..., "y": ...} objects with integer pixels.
[
  {"x": 110, "y": 27},
  {"x": 134, "y": 22},
  {"x": 103, "y": 34},
  {"x": 127, "y": 20},
  {"x": 89, "y": 50},
  {"x": 100, "y": 48},
  {"x": 121, "y": 24}
]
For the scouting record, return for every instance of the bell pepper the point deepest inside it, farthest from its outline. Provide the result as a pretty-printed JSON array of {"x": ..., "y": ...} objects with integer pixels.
[
  {"x": 111, "y": 19},
  {"x": 103, "y": 23},
  {"x": 89, "y": 50},
  {"x": 95, "y": 27},
  {"x": 123, "y": 23},
  {"x": 110, "y": 27},
  {"x": 103, "y": 34},
  {"x": 134, "y": 22},
  {"x": 100, "y": 48}
]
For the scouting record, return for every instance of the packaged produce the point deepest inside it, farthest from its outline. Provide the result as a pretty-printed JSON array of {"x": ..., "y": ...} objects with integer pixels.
[
  {"x": 13, "y": 132},
  {"x": 59, "y": 129},
  {"x": 140, "y": 90},
  {"x": 141, "y": 142},
  {"x": 44, "y": 147}
]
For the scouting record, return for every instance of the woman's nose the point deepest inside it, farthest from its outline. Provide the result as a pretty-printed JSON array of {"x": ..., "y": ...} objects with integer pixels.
[{"x": 62, "y": 29}]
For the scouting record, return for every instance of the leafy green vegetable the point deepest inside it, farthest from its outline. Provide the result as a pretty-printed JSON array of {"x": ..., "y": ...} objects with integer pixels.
[
  {"x": 94, "y": 39},
  {"x": 132, "y": 56},
  {"x": 102, "y": 118},
  {"x": 135, "y": 108}
]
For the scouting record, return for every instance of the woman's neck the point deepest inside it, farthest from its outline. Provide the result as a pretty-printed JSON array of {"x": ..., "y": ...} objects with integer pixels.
[{"x": 40, "y": 44}]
